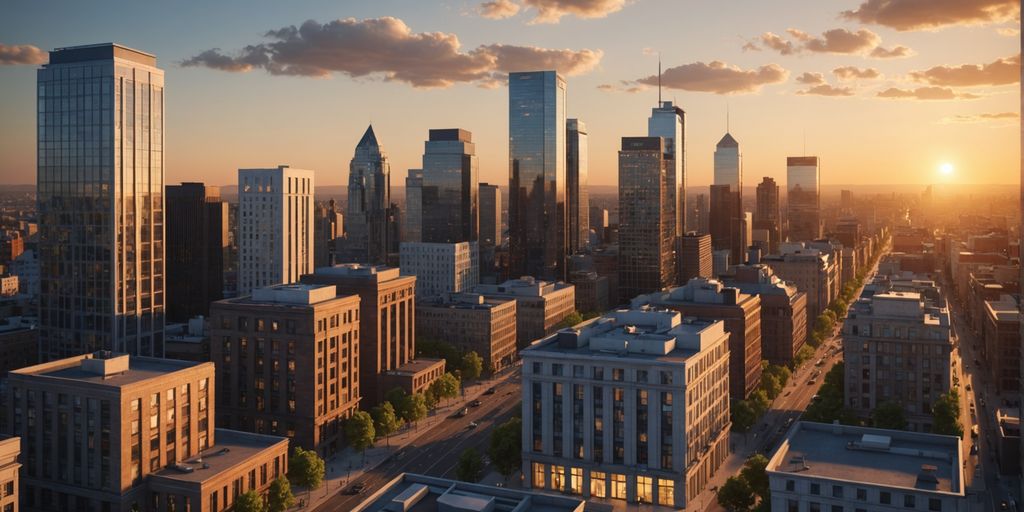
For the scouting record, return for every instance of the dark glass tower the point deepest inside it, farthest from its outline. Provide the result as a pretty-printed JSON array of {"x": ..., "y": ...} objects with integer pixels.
[
  {"x": 578, "y": 201},
  {"x": 449, "y": 194},
  {"x": 646, "y": 217},
  {"x": 369, "y": 205},
  {"x": 101, "y": 205},
  {"x": 537, "y": 178},
  {"x": 197, "y": 237},
  {"x": 766, "y": 213}
]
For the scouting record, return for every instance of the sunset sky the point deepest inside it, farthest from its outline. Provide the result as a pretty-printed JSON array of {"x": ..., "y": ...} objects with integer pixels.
[{"x": 886, "y": 91}]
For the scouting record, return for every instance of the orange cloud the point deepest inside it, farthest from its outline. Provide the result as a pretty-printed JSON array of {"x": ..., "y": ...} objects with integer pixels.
[
  {"x": 22, "y": 54},
  {"x": 933, "y": 14},
  {"x": 926, "y": 93},
  {"x": 982, "y": 118},
  {"x": 853, "y": 72},
  {"x": 837, "y": 41},
  {"x": 718, "y": 77},
  {"x": 998, "y": 72},
  {"x": 498, "y": 9},
  {"x": 826, "y": 90}
]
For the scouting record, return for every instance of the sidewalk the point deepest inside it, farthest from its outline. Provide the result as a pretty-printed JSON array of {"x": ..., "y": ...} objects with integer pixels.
[{"x": 348, "y": 465}]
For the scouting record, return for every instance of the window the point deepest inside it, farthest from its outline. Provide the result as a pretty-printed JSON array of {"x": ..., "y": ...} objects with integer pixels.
[
  {"x": 862, "y": 494},
  {"x": 815, "y": 507},
  {"x": 909, "y": 501},
  {"x": 666, "y": 492},
  {"x": 576, "y": 480},
  {"x": 816, "y": 489},
  {"x": 837, "y": 491},
  {"x": 790, "y": 485},
  {"x": 618, "y": 486},
  {"x": 935, "y": 504},
  {"x": 557, "y": 478},
  {"x": 617, "y": 373},
  {"x": 885, "y": 497},
  {"x": 792, "y": 506},
  {"x": 837, "y": 508},
  {"x": 644, "y": 493},
  {"x": 538, "y": 475},
  {"x": 597, "y": 485}
]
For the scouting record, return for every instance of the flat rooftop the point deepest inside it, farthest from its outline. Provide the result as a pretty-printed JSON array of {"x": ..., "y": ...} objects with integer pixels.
[
  {"x": 888, "y": 458},
  {"x": 416, "y": 366},
  {"x": 232, "y": 449},
  {"x": 84, "y": 369},
  {"x": 417, "y": 493}
]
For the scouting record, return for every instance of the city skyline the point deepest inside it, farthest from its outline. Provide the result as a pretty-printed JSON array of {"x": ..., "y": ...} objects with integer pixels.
[{"x": 910, "y": 139}]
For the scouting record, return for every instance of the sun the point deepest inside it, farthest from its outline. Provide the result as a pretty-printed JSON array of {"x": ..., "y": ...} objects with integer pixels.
[{"x": 946, "y": 169}]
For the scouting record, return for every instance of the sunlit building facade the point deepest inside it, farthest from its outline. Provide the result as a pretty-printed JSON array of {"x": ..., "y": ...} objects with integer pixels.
[
  {"x": 668, "y": 121},
  {"x": 100, "y": 186},
  {"x": 803, "y": 184},
  {"x": 577, "y": 209},
  {"x": 449, "y": 194},
  {"x": 368, "y": 212},
  {"x": 412, "y": 222},
  {"x": 646, "y": 218},
  {"x": 726, "y": 215}
]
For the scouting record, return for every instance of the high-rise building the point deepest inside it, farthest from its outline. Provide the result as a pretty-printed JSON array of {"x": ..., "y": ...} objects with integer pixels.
[
  {"x": 490, "y": 215},
  {"x": 888, "y": 336},
  {"x": 541, "y": 305},
  {"x": 470, "y": 322},
  {"x": 695, "y": 257},
  {"x": 668, "y": 121},
  {"x": 646, "y": 218},
  {"x": 441, "y": 268},
  {"x": 700, "y": 215},
  {"x": 577, "y": 199},
  {"x": 275, "y": 226},
  {"x": 449, "y": 194},
  {"x": 286, "y": 361},
  {"x": 846, "y": 201},
  {"x": 813, "y": 271},
  {"x": 599, "y": 223},
  {"x": 783, "y": 310},
  {"x": 631, "y": 406},
  {"x": 369, "y": 204},
  {"x": 135, "y": 433},
  {"x": 100, "y": 193},
  {"x": 197, "y": 239},
  {"x": 803, "y": 184},
  {"x": 537, "y": 221},
  {"x": 412, "y": 227},
  {"x": 708, "y": 299},
  {"x": 330, "y": 224},
  {"x": 726, "y": 216},
  {"x": 766, "y": 213}
]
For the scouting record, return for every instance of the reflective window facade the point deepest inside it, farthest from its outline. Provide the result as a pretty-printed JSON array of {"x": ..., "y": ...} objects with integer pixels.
[
  {"x": 412, "y": 226},
  {"x": 646, "y": 227},
  {"x": 578, "y": 200},
  {"x": 803, "y": 181},
  {"x": 449, "y": 194},
  {"x": 669, "y": 122},
  {"x": 101, "y": 207},
  {"x": 726, "y": 216},
  {"x": 536, "y": 139},
  {"x": 766, "y": 213},
  {"x": 369, "y": 199}
]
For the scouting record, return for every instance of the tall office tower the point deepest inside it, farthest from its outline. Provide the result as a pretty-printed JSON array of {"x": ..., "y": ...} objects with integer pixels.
[
  {"x": 197, "y": 239},
  {"x": 726, "y": 221},
  {"x": 669, "y": 122},
  {"x": 369, "y": 204},
  {"x": 646, "y": 218},
  {"x": 846, "y": 201},
  {"x": 330, "y": 224},
  {"x": 100, "y": 194},
  {"x": 440, "y": 268},
  {"x": 412, "y": 227},
  {"x": 633, "y": 406},
  {"x": 599, "y": 223},
  {"x": 130, "y": 433},
  {"x": 490, "y": 230},
  {"x": 537, "y": 222},
  {"x": 450, "y": 177},
  {"x": 701, "y": 214},
  {"x": 286, "y": 363},
  {"x": 803, "y": 183},
  {"x": 766, "y": 213},
  {"x": 695, "y": 257},
  {"x": 275, "y": 226},
  {"x": 576, "y": 172}
]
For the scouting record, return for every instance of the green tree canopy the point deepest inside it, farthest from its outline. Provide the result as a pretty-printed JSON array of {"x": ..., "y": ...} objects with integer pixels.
[
  {"x": 759, "y": 401},
  {"x": 755, "y": 473},
  {"x": 280, "y": 497},
  {"x": 735, "y": 495},
  {"x": 395, "y": 396},
  {"x": 472, "y": 366},
  {"x": 743, "y": 416},
  {"x": 306, "y": 468},
  {"x": 359, "y": 431},
  {"x": 571, "y": 320},
  {"x": 413, "y": 408},
  {"x": 470, "y": 466},
  {"x": 249, "y": 501},
  {"x": 506, "y": 448},
  {"x": 385, "y": 421},
  {"x": 889, "y": 415},
  {"x": 946, "y": 414}
]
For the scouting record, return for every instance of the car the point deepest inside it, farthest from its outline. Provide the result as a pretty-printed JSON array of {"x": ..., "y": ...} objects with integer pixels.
[
  {"x": 473, "y": 424},
  {"x": 974, "y": 431},
  {"x": 476, "y": 403},
  {"x": 815, "y": 398},
  {"x": 356, "y": 488},
  {"x": 981, "y": 401},
  {"x": 974, "y": 449},
  {"x": 968, "y": 387},
  {"x": 490, "y": 391},
  {"x": 1004, "y": 505},
  {"x": 462, "y": 412},
  {"x": 812, "y": 382}
]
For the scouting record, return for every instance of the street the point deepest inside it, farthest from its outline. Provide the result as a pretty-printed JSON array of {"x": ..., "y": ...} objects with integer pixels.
[{"x": 436, "y": 452}]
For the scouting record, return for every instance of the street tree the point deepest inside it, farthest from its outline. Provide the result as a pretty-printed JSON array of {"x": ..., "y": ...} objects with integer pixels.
[
  {"x": 359, "y": 431},
  {"x": 743, "y": 416},
  {"x": 507, "y": 446},
  {"x": 306, "y": 468},
  {"x": 889, "y": 415},
  {"x": 470, "y": 466},
  {"x": 755, "y": 473},
  {"x": 472, "y": 366},
  {"x": 735, "y": 495},
  {"x": 413, "y": 407},
  {"x": 946, "y": 414},
  {"x": 385, "y": 421},
  {"x": 280, "y": 497},
  {"x": 571, "y": 320},
  {"x": 249, "y": 501}
]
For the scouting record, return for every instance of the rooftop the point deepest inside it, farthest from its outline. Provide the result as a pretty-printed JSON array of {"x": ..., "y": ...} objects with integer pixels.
[
  {"x": 107, "y": 369},
  {"x": 890, "y": 458},
  {"x": 699, "y": 290},
  {"x": 1004, "y": 310},
  {"x": 101, "y": 51},
  {"x": 233, "y": 448},
  {"x": 360, "y": 271},
  {"x": 417, "y": 493},
  {"x": 525, "y": 286},
  {"x": 416, "y": 366}
]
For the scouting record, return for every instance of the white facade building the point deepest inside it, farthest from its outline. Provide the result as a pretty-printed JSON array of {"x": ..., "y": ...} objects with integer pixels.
[
  {"x": 441, "y": 268},
  {"x": 633, "y": 405},
  {"x": 275, "y": 226}
]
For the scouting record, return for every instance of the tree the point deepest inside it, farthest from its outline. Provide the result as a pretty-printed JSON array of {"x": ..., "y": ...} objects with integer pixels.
[
  {"x": 743, "y": 416},
  {"x": 889, "y": 415},
  {"x": 736, "y": 495},
  {"x": 280, "y": 497},
  {"x": 506, "y": 448},
  {"x": 426, "y": 347},
  {"x": 470, "y": 466},
  {"x": 446, "y": 386},
  {"x": 946, "y": 415},
  {"x": 472, "y": 366},
  {"x": 413, "y": 407},
  {"x": 249, "y": 501},
  {"x": 360, "y": 432},
  {"x": 385, "y": 421},
  {"x": 306, "y": 468},
  {"x": 395, "y": 396},
  {"x": 755, "y": 474},
  {"x": 571, "y": 320},
  {"x": 760, "y": 402},
  {"x": 770, "y": 385}
]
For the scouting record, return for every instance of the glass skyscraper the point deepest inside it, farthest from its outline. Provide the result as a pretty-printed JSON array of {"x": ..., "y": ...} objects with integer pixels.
[
  {"x": 449, "y": 193},
  {"x": 646, "y": 218},
  {"x": 578, "y": 209},
  {"x": 726, "y": 219},
  {"x": 367, "y": 219},
  {"x": 803, "y": 183},
  {"x": 537, "y": 178},
  {"x": 669, "y": 122},
  {"x": 100, "y": 186},
  {"x": 412, "y": 227}
]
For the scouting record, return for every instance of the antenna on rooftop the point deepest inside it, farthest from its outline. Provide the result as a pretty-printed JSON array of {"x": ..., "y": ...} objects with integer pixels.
[
  {"x": 659, "y": 79},
  {"x": 726, "y": 116}
]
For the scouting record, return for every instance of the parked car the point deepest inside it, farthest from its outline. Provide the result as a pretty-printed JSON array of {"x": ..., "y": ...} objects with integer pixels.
[
  {"x": 490, "y": 391},
  {"x": 356, "y": 488},
  {"x": 476, "y": 403},
  {"x": 812, "y": 382},
  {"x": 462, "y": 412},
  {"x": 472, "y": 424}
]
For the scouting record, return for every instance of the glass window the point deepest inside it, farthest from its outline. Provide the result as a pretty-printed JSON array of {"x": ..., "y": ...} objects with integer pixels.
[
  {"x": 597, "y": 485},
  {"x": 790, "y": 485},
  {"x": 935, "y": 504},
  {"x": 538, "y": 475},
  {"x": 837, "y": 491},
  {"x": 576, "y": 480},
  {"x": 815, "y": 489},
  {"x": 644, "y": 491},
  {"x": 909, "y": 501},
  {"x": 618, "y": 486},
  {"x": 885, "y": 497},
  {"x": 557, "y": 478},
  {"x": 862, "y": 494},
  {"x": 666, "y": 492}
]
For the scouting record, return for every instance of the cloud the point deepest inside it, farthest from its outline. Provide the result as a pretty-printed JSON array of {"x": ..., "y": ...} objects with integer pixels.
[
  {"x": 926, "y": 93},
  {"x": 718, "y": 77},
  {"x": 933, "y": 14},
  {"x": 811, "y": 78},
  {"x": 498, "y": 9},
  {"x": 623, "y": 86},
  {"x": 1008, "y": 31},
  {"x": 981, "y": 118},
  {"x": 21, "y": 54},
  {"x": 388, "y": 49},
  {"x": 826, "y": 90},
  {"x": 853, "y": 72},
  {"x": 895, "y": 52},
  {"x": 998, "y": 72},
  {"x": 552, "y": 11},
  {"x": 837, "y": 41}
]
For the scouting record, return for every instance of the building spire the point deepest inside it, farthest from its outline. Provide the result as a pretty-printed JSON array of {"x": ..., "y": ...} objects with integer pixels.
[
  {"x": 659, "y": 79},
  {"x": 727, "y": 116}
]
